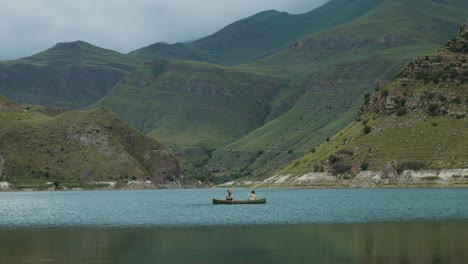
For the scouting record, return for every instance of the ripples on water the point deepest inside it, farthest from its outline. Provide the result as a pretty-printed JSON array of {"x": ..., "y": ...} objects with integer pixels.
[
  {"x": 194, "y": 207},
  {"x": 182, "y": 226}
]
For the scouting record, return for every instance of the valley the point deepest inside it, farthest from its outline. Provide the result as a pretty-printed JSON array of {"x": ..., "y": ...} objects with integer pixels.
[{"x": 271, "y": 95}]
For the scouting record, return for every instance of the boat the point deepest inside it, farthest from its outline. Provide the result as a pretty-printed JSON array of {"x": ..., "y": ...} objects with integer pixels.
[{"x": 257, "y": 201}]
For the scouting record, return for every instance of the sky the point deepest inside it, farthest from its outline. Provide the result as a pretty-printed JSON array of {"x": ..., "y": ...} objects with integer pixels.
[{"x": 30, "y": 26}]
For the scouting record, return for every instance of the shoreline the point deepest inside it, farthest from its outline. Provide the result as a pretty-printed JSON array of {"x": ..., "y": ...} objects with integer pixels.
[
  {"x": 448, "y": 178},
  {"x": 331, "y": 187}
]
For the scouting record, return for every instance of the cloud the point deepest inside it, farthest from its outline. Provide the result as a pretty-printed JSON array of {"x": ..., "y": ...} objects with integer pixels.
[{"x": 30, "y": 26}]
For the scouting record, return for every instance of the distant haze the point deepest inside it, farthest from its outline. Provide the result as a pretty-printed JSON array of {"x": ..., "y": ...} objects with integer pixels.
[{"x": 31, "y": 26}]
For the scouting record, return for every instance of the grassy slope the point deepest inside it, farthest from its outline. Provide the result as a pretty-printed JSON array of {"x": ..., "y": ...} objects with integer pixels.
[
  {"x": 4, "y": 100},
  {"x": 438, "y": 142},
  {"x": 432, "y": 135},
  {"x": 193, "y": 104},
  {"x": 74, "y": 74},
  {"x": 178, "y": 51},
  {"x": 37, "y": 148},
  {"x": 335, "y": 69}
]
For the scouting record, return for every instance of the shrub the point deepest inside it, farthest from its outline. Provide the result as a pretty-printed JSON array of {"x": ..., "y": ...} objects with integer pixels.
[
  {"x": 367, "y": 130},
  {"x": 403, "y": 102},
  {"x": 431, "y": 178},
  {"x": 290, "y": 151},
  {"x": 432, "y": 109},
  {"x": 453, "y": 73},
  {"x": 340, "y": 167},
  {"x": 364, "y": 165},
  {"x": 430, "y": 95},
  {"x": 409, "y": 165},
  {"x": 456, "y": 100},
  {"x": 312, "y": 149},
  {"x": 435, "y": 77},
  {"x": 367, "y": 98},
  {"x": 401, "y": 112},
  {"x": 56, "y": 184},
  {"x": 384, "y": 92},
  {"x": 421, "y": 76},
  {"x": 316, "y": 168},
  {"x": 333, "y": 159}
]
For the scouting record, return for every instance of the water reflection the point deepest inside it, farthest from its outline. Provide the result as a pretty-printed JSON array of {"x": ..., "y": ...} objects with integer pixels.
[{"x": 347, "y": 243}]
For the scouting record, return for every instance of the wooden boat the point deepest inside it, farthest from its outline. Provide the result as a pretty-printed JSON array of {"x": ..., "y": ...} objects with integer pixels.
[{"x": 258, "y": 201}]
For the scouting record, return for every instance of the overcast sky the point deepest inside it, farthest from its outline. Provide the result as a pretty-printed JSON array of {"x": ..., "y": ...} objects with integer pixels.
[{"x": 31, "y": 26}]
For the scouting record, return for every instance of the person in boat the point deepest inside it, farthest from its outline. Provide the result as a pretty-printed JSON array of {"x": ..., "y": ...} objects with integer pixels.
[
  {"x": 252, "y": 195},
  {"x": 229, "y": 195}
]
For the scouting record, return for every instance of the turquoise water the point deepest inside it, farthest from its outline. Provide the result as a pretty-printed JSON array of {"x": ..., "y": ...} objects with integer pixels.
[
  {"x": 183, "y": 226},
  {"x": 195, "y": 208}
]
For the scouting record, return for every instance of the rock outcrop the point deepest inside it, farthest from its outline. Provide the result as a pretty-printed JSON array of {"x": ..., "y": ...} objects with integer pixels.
[{"x": 364, "y": 179}]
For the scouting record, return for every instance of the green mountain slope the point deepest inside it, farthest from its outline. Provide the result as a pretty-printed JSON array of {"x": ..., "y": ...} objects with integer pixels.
[
  {"x": 416, "y": 122},
  {"x": 331, "y": 71},
  {"x": 262, "y": 33},
  {"x": 70, "y": 75},
  {"x": 191, "y": 104},
  {"x": 78, "y": 149},
  {"x": 178, "y": 51}
]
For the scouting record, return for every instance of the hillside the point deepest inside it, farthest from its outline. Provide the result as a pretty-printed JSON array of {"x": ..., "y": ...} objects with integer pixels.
[
  {"x": 69, "y": 75},
  {"x": 413, "y": 131},
  {"x": 87, "y": 149},
  {"x": 192, "y": 105},
  {"x": 261, "y": 34},
  {"x": 161, "y": 50},
  {"x": 299, "y": 79},
  {"x": 330, "y": 72}
]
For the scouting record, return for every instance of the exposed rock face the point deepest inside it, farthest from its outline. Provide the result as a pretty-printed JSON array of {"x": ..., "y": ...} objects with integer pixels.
[
  {"x": 365, "y": 179},
  {"x": 433, "y": 103},
  {"x": 460, "y": 43},
  {"x": 4, "y": 186},
  {"x": 445, "y": 70}
]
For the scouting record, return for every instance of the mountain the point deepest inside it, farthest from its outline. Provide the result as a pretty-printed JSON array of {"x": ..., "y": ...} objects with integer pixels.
[
  {"x": 193, "y": 105},
  {"x": 329, "y": 73},
  {"x": 84, "y": 149},
  {"x": 70, "y": 75},
  {"x": 413, "y": 131},
  {"x": 299, "y": 79},
  {"x": 178, "y": 51},
  {"x": 319, "y": 83},
  {"x": 262, "y": 33}
]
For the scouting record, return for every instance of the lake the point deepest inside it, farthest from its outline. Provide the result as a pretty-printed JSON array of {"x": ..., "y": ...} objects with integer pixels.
[{"x": 182, "y": 226}]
